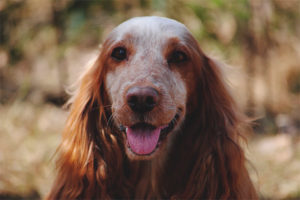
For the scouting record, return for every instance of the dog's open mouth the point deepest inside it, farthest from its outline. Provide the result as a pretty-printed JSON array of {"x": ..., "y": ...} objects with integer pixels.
[{"x": 144, "y": 138}]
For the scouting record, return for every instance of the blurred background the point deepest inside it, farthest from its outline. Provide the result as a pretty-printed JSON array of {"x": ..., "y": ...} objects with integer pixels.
[{"x": 45, "y": 44}]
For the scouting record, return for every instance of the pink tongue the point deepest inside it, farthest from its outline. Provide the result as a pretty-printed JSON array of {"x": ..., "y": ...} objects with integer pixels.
[{"x": 142, "y": 141}]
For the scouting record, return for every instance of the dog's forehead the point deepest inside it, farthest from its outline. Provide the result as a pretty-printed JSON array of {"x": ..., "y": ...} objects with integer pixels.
[{"x": 150, "y": 28}]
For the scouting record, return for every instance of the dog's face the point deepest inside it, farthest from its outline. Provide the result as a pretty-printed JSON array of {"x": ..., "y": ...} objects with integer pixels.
[{"x": 149, "y": 78}]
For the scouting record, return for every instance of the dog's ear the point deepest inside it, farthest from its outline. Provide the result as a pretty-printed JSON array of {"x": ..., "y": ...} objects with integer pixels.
[
  {"x": 215, "y": 99},
  {"x": 221, "y": 127},
  {"x": 76, "y": 155}
]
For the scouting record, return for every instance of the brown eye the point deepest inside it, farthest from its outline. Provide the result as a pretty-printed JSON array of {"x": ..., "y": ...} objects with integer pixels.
[
  {"x": 119, "y": 54},
  {"x": 177, "y": 57}
]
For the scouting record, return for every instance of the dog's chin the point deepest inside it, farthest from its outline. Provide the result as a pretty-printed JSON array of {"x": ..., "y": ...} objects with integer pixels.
[
  {"x": 133, "y": 156},
  {"x": 144, "y": 141}
]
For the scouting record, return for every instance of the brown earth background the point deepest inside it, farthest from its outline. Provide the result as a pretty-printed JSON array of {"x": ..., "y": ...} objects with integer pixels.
[{"x": 45, "y": 44}]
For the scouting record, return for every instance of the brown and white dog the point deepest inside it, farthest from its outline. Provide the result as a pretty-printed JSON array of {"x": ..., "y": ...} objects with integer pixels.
[{"x": 152, "y": 118}]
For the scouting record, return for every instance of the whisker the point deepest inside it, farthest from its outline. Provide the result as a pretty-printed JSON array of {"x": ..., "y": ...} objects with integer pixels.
[
  {"x": 110, "y": 120},
  {"x": 107, "y": 106},
  {"x": 114, "y": 117},
  {"x": 170, "y": 108}
]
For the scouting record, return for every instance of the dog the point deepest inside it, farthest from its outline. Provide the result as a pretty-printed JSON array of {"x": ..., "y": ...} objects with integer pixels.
[{"x": 152, "y": 119}]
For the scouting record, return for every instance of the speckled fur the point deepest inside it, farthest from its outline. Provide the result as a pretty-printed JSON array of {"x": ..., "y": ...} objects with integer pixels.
[{"x": 201, "y": 158}]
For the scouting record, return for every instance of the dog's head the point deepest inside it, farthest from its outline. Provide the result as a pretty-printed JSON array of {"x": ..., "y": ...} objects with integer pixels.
[{"x": 150, "y": 77}]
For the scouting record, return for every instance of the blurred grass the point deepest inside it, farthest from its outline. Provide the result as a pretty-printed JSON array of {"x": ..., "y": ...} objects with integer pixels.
[
  {"x": 29, "y": 135},
  {"x": 45, "y": 44},
  {"x": 276, "y": 159}
]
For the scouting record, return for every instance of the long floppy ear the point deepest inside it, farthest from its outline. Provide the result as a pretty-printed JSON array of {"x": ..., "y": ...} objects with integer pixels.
[
  {"x": 89, "y": 151},
  {"x": 221, "y": 167}
]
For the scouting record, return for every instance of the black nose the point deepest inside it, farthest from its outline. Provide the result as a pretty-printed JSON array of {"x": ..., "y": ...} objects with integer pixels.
[{"x": 142, "y": 99}]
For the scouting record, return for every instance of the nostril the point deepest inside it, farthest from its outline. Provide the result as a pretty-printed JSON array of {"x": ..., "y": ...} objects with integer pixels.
[
  {"x": 150, "y": 101},
  {"x": 132, "y": 100},
  {"x": 142, "y": 99}
]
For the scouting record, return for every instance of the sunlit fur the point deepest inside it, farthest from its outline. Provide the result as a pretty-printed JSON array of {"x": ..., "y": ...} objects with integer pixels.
[{"x": 202, "y": 159}]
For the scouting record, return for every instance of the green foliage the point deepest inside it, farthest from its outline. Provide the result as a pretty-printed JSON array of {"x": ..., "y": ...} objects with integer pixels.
[
  {"x": 75, "y": 24},
  {"x": 211, "y": 11},
  {"x": 158, "y": 5}
]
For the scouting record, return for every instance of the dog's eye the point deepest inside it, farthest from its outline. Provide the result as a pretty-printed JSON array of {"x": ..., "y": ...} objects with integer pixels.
[
  {"x": 119, "y": 54},
  {"x": 177, "y": 57}
]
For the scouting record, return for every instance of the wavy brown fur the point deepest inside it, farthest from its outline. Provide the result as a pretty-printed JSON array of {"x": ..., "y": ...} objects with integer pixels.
[{"x": 205, "y": 161}]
